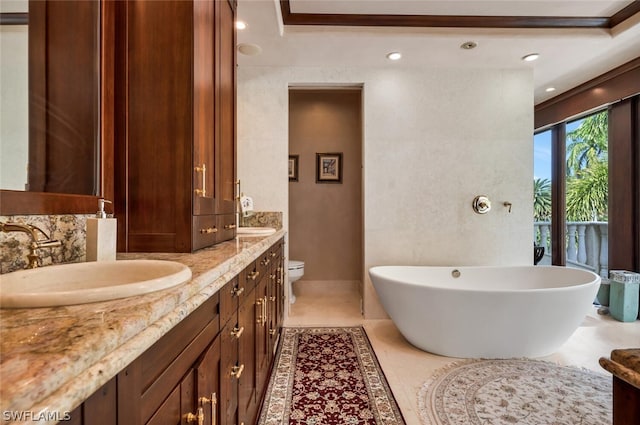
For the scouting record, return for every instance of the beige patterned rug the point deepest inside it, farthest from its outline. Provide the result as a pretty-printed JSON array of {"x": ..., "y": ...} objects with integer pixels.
[
  {"x": 516, "y": 391},
  {"x": 328, "y": 376}
]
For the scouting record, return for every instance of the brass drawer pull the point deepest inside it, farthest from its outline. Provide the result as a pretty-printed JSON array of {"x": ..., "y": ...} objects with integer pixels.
[
  {"x": 202, "y": 192},
  {"x": 264, "y": 311},
  {"x": 236, "y": 371},
  {"x": 272, "y": 298},
  {"x": 265, "y": 262},
  {"x": 272, "y": 332},
  {"x": 214, "y": 403},
  {"x": 273, "y": 254},
  {"x": 190, "y": 417},
  {"x": 261, "y": 319},
  {"x": 237, "y": 291},
  {"x": 253, "y": 275},
  {"x": 208, "y": 230},
  {"x": 229, "y": 226},
  {"x": 237, "y": 332},
  {"x": 259, "y": 305}
]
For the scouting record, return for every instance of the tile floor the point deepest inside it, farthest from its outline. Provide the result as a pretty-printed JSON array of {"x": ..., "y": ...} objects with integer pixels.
[{"x": 407, "y": 368}]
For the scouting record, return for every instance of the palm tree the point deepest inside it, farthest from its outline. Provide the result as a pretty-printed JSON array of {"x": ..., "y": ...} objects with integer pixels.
[
  {"x": 541, "y": 200},
  {"x": 587, "y": 169},
  {"x": 587, "y": 143},
  {"x": 587, "y": 194}
]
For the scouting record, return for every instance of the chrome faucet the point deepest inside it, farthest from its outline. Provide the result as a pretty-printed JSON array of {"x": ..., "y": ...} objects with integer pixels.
[{"x": 36, "y": 242}]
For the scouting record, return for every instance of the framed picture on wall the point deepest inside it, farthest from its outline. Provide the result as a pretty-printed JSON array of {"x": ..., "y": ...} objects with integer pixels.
[
  {"x": 329, "y": 167},
  {"x": 293, "y": 168}
]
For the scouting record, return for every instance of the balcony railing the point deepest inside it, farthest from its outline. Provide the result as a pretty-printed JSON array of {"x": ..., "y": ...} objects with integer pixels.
[{"x": 587, "y": 244}]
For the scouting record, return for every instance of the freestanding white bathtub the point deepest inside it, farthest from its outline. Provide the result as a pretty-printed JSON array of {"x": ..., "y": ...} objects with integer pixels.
[{"x": 486, "y": 312}]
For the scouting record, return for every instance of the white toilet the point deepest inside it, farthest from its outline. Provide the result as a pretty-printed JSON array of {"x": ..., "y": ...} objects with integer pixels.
[{"x": 296, "y": 271}]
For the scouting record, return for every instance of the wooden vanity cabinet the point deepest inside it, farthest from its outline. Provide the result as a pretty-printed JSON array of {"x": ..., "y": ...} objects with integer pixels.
[
  {"x": 175, "y": 124},
  {"x": 214, "y": 363}
]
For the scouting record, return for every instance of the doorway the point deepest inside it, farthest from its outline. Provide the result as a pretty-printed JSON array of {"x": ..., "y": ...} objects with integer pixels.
[{"x": 325, "y": 190}]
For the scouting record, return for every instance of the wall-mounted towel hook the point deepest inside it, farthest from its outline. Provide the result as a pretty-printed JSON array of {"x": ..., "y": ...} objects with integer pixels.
[{"x": 507, "y": 205}]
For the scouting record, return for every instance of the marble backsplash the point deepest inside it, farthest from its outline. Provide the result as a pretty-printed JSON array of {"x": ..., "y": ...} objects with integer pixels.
[
  {"x": 68, "y": 229},
  {"x": 71, "y": 231},
  {"x": 263, "y": 219}
]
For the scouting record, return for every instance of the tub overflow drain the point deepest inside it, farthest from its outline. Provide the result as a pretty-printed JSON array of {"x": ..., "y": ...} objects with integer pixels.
[{"x": 455, "y": 273}]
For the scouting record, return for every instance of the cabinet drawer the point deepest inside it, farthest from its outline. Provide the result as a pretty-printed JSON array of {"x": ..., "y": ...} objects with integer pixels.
[
  {"x": 229, "y": 295},
  {"x": 250, "y": 276},
  {"x": 264, "y": 263},
  {"x": 227, "y": 227},
  {"x": 205, "y": 231}
]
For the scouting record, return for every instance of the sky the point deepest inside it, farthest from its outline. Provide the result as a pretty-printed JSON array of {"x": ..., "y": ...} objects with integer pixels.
[{"x": 542, "y": 151}]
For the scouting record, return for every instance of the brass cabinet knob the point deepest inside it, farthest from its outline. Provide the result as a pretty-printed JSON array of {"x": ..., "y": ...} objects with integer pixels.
[
  {"x": 199, "y": 417},
  {"x": 236, "y": 371},
  {"x": 237, "y": 332}
]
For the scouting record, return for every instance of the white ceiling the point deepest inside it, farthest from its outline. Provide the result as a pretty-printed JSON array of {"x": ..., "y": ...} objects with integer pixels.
[{"x": 568, "y": 57}]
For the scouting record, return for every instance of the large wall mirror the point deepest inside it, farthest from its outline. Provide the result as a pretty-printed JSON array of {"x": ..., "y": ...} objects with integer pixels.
[{"x": 54, "y": 135}]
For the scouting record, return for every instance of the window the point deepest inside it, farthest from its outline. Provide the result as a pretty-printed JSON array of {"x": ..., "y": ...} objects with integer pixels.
[
  {"x": 583, "y": 180},
  {"x": 542, "y": 195}
]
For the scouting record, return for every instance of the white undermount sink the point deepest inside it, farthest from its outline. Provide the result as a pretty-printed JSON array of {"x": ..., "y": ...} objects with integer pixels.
[
  {"x": 81, "y": 283},
  {"x": 255, "y": 231}
]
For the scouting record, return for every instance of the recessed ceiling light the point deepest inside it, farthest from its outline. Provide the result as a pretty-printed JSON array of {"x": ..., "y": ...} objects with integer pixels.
[
  {"x": 240, "y": 25},
  {"x": 550, "y": 89},
  {"x": 531, "y": 57},
  {"x": 468, "y": 45},
  {"x": 394, "y": 56}
]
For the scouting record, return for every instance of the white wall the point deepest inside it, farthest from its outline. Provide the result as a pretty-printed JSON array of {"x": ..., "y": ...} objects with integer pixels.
[{"x": 433, "y": 140}]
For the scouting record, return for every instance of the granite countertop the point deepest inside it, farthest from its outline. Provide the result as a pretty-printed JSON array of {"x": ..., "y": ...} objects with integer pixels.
[
  {"x": 624, "y": 364},
  {"x": 54, "y": 358}
]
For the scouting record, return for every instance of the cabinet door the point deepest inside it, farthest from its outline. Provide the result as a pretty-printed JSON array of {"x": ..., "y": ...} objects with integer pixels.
[
  {"x": 262, "y": 336},
  {"x": 228, "y": 368},
  {"x": 154, "y": 101},
  {"x": 204, "y": 169},
  {"x": 280, "y": 285},
  {"x": 208, "y": 382},
  {"x": 247, "y": 317},
  {"x": 275, "y": 291},
  {"x": 226, "y": 96},
  {"x": 178, "y": 405}
]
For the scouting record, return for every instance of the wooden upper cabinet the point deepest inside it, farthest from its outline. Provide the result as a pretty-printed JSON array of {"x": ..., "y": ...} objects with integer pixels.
[
  {"x": 175, "y": 124},
  {"x": 226, "y": 96},
  {"x": 204, "y": 109}
]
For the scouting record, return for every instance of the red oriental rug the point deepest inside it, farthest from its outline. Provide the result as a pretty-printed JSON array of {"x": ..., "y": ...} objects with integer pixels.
[{"x": 328, "y": 376}]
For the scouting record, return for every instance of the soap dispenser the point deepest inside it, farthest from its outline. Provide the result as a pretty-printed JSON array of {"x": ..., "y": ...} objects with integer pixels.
[{"x": 102, "y": 233}]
